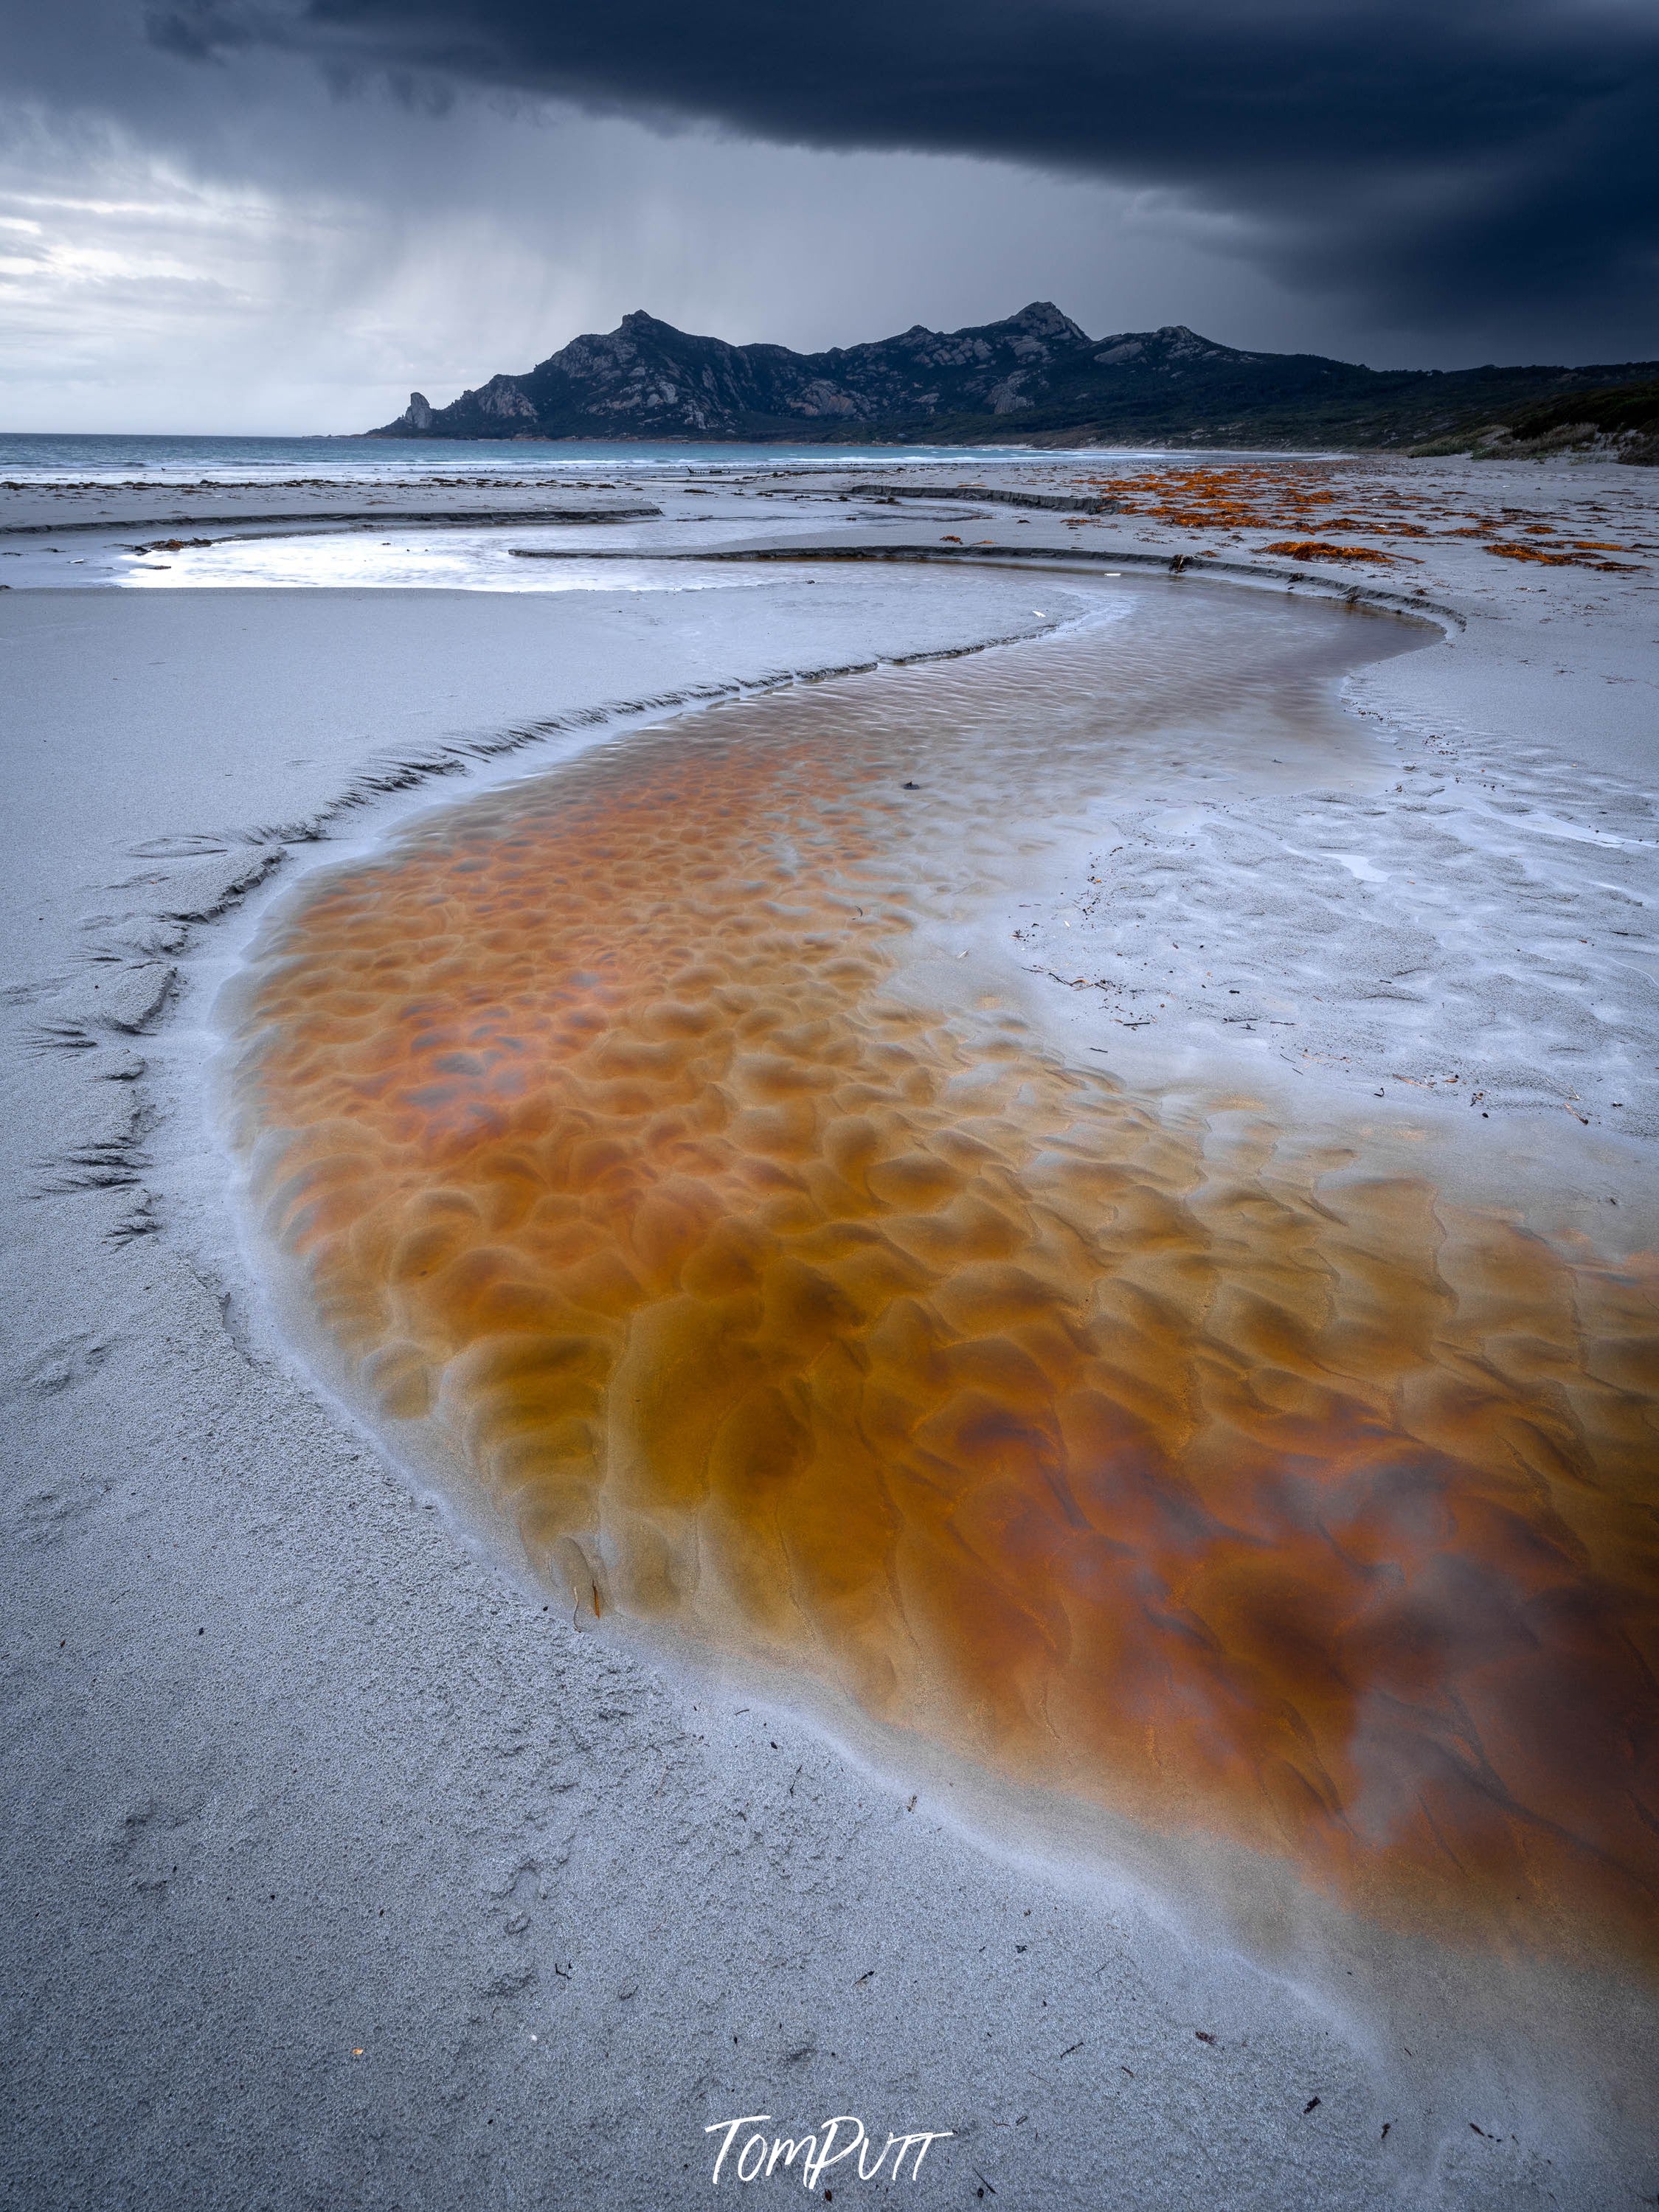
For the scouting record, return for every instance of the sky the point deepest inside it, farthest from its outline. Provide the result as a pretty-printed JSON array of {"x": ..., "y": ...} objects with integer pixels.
[{"x": 283, "y": 216}]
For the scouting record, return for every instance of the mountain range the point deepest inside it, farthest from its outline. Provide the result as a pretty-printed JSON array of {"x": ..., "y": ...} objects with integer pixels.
[{"x": 1034, "y": 378}]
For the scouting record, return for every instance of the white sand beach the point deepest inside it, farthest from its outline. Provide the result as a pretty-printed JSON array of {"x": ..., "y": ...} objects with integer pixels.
[{"x": 345, "y": 1867}]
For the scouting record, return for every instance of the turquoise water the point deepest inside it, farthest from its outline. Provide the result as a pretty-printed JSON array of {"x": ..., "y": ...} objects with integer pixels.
[{"x": 37, "y": 457}]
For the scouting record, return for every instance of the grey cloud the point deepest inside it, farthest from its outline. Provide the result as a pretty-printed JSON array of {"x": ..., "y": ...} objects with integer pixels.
[{"x": 1427, "y": 159}]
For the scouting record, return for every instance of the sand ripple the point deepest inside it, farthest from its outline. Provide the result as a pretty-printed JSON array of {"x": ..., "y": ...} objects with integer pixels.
[{"x": 1208, "y": 1471}]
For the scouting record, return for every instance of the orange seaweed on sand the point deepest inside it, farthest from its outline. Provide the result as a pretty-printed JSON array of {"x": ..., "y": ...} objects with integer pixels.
[
  {"x": 1313, "y": 548},
  {"x": 1549, "y": 559},
  {"x": 1297, "y": 497}
]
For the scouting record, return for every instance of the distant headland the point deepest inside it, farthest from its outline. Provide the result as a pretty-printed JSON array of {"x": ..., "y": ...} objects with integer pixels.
[{"x": 1038, "y": 379}]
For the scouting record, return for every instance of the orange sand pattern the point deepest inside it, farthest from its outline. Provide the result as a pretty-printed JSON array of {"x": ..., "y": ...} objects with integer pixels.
[{"x": 1175, "y": 1469}]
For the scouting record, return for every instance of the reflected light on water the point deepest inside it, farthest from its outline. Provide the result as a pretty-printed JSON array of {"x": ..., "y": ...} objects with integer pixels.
[{"x": 447, "y": 560}]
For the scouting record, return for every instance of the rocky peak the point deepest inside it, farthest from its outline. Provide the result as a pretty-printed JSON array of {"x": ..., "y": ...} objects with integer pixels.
[
  {"x": 1042, "y": 319},
  {"x": 639, "y": 324}
]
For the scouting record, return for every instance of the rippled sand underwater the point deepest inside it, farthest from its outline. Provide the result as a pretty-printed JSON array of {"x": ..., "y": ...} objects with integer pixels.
[{"x": 1218, "y": 1473}]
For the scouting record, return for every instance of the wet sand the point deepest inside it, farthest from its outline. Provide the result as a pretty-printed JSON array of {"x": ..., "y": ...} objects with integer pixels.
[
  {"x": 864, "y": 1218},
  {"x": 1232, "y": 1475}
]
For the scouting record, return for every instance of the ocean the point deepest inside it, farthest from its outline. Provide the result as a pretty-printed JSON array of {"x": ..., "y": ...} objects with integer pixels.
[{"x": 38, "y": 457}]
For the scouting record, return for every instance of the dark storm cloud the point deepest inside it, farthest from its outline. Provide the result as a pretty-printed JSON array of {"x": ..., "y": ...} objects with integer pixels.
[{"x": 1432, "y": 156}]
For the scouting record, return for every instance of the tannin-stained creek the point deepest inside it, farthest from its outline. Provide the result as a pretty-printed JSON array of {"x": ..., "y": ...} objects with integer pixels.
[{"x": 1224, "y": 1475}]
